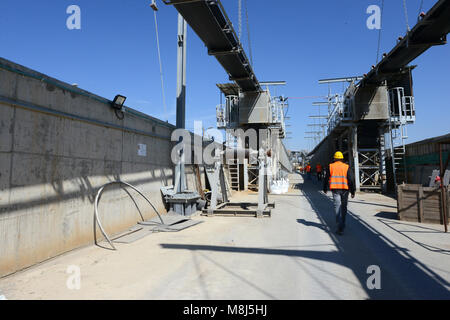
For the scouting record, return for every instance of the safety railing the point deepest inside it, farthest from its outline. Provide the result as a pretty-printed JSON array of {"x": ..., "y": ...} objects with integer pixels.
[
  {"x": 341, "y": 111},
  {"x": 402, "y": 108},
  {"x": 221, "y": 116}
]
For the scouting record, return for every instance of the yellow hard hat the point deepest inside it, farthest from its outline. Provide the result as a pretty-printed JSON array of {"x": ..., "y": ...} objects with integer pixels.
[{"x": 338, "y": 155}]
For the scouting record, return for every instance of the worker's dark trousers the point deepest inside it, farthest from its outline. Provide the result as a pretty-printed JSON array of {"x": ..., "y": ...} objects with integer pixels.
[{"x": 340, "y": 198}]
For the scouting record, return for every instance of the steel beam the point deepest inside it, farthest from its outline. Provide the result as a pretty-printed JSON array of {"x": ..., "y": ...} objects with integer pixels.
[
  {"x": 334, "y": 80},
  {"x": 355, "y": 156},
  {"x": 210, "y": 22}
]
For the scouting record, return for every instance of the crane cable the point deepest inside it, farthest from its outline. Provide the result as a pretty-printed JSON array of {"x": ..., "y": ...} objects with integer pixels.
[
  {"x": 248, "y": 34},
  {"x": 240, "y": 19},
  {"x": 379, "y": 32},
  {"x": 160, "y": 67},
  {"x": 247, "y": 27},
  {"x": 406, "y": 15}
]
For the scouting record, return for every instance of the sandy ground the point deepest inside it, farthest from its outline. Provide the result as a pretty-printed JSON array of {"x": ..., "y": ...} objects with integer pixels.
[{"x": 292, "y": 255}]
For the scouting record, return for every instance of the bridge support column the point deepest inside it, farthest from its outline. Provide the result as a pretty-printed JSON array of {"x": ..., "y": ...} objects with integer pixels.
[
  {"x": 354, "y": 133},
  {"x": 382, "y": 160}
]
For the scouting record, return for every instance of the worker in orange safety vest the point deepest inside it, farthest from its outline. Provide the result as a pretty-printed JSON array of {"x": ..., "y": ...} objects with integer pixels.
[
  {"x": 308, "y": 172},
  {"x": 319, "y": 171},
  {"x": 340, "y": 180}
]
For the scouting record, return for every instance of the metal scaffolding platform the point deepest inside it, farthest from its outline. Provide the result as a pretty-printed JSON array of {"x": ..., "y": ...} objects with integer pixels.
[{"x": 368, "y": 122}]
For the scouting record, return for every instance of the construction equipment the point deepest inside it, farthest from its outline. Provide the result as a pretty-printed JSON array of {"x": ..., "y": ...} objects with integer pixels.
[
  {"x": 369, "y": 120},
  {"x": 248, "y": 107},
  {"x": 227, "y": 208}
]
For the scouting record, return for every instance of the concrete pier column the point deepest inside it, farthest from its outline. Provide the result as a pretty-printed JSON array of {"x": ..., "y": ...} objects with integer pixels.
[
  {"x": 355, "y": 157},
  {"x": 181, "y": 99},
  {"x": 382, "y": 146}
]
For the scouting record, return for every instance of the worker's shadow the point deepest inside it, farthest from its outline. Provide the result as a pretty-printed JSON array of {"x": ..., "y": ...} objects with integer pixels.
[
  {"x": 312, "y": 224},
  {"x": 361, "y": 246},
  {"x": 297, "y": 186}
]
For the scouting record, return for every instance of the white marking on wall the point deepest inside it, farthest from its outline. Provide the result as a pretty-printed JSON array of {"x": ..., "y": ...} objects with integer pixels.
[{"x": 142, "y": 150}]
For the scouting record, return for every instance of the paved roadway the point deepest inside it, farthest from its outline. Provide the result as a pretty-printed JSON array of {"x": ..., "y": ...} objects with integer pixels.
[{"x": 292, "y": 255}]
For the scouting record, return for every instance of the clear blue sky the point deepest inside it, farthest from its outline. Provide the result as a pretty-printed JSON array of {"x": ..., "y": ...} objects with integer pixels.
[{"x": 297, "y": 41}]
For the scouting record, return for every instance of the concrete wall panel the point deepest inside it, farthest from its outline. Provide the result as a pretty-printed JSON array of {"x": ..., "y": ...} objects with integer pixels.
[
  {"x": 6, "y": 127},
  {"x": 5, "y": 164},
  {"x": 53, "y": 163}
]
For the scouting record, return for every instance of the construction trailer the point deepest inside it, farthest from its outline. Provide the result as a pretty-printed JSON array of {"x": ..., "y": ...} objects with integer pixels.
[{"x": 368, "y": 122}]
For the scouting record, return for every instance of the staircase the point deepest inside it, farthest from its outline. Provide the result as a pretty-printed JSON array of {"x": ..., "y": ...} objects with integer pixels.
[
  {"x": 233, "y": 169},
  {"x": 399, "y": 165}
]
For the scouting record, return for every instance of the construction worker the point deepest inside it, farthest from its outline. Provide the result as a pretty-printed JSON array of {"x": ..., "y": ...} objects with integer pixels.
[
  {"x": 319, "y": 171},
  {"x": 437, "y": 181},
  {"x": 340, "y": 180},
  {"x": 308, "y": 172}
]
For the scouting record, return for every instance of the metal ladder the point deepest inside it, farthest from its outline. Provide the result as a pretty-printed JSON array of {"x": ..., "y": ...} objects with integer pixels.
[
  {"x": 401, "y": 113},
  {"x": 233, "y": 168}
]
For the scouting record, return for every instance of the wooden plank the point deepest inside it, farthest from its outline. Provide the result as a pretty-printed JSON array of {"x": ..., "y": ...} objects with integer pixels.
[
  {"x": 432, "y": 221},
  {"x": 411, "y": 215},
  {"x": 447, "y": 205},
  {"x": 411, "y": 187},
  {"x": 432, "y": 205},
  {"x": 400, "y": 202},
  {"x": 409, "y": 202},
  {"x": 420, "y": 204},
  {"x": 409, "y": 219},
  {"x": 430, "y": 189}
]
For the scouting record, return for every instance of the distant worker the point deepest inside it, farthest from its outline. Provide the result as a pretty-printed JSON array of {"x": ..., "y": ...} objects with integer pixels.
[
  {"x": 319, "y": 171},
  {"x": 437, "y": 181},
  {"x": 308, "y": 172},
  {"x": 340, "y": 180}
]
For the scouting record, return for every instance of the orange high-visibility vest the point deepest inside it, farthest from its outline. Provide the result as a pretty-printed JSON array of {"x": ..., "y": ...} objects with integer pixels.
[
  {"x": 308, "y": 168},
  {"x": 319, "y": 168},
  {"x": 338, "y": 175}
]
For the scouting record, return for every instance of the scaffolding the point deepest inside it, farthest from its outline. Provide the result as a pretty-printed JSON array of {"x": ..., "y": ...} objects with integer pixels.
[{"x": 366, "y": 143}]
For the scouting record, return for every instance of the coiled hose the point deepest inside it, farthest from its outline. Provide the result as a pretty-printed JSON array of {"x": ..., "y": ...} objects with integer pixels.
[{"x": 97, "y": 199}]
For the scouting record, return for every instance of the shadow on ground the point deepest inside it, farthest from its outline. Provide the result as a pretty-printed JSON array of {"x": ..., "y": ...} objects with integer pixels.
[
  {"x": 402, "y": 276},
  {"x": 387, "y": 215},
  {"x": 407, "y": 230}
]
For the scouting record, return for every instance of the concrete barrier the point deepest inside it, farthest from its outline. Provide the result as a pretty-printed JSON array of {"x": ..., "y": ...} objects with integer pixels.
[{"x": 59, "y": 144}]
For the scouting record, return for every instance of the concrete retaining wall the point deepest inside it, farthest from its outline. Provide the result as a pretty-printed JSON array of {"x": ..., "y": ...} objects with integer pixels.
[{"x": 58, "y": 145}]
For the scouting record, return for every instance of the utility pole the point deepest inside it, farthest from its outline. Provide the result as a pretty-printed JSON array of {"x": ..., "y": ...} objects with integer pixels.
[
  {"x": 181, "y": 73},
  {"x": 181, "y": 99}
]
